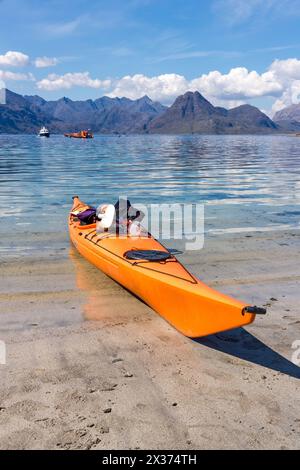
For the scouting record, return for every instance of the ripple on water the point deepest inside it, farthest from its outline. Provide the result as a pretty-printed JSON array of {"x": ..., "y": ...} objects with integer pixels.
[{"x": 244, "y": 181}]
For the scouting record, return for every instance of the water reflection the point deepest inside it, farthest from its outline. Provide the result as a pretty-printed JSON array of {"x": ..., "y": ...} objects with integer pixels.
[{"x": 105, "y": 300}]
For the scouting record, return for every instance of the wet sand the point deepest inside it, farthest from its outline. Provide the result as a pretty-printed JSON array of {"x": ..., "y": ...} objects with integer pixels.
[{"x": 89, "y": 366}]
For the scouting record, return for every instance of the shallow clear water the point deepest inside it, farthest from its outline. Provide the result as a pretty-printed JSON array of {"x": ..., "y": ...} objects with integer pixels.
[{"x": 244, "y": 181}]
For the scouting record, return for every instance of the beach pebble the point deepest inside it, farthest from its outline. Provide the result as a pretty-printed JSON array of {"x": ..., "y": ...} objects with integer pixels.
[
  {"x": 104, "y": 430},
  {"x": 128, "y": 374},
  {"x": 108, "y": 387},
  {"x": 93, "y": 443},
  {"x": 118, "y": 359},
  {"x": 107, "y": 410}
]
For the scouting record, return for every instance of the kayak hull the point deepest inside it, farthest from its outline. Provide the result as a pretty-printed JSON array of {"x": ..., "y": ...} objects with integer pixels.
[{"x": 184, "y": 301}]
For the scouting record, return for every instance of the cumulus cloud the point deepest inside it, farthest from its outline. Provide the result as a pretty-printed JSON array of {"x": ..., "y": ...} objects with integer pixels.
[
  {"x": 280, "y": 81},
  {"x": 290, "y": 96},
  {"x": 160, "y": 88},
  {"x": 239, "y": 84},
  {"x": 286, "y": 69},
  {"x": 69, "y": 80},
  {"x": 41, "y": 62},
  {"x": 14, "y": 59},
  {"x": 287, "y": 72}
]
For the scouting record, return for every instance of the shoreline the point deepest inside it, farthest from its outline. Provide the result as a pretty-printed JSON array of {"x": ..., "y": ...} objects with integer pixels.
[{"x": 152, "y": 134}]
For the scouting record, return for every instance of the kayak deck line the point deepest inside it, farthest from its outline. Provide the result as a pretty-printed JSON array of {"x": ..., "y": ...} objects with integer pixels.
[
  {"x": 153, "y": 274},
  {"x": 138, "y": 263}
]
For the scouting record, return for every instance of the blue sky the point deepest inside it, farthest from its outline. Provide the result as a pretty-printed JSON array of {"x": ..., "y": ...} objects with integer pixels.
[{"x": 232, "y": 51}]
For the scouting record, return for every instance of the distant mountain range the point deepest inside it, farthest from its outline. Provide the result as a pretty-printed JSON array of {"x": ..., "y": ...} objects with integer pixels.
[
  {"x": 190, "y": 113},
  {"x": 289, "y": 118},
  {"x": 26, "y": 114}
]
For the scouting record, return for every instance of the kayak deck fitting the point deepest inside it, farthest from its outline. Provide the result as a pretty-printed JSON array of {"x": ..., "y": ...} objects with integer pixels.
[{"x": 162, "y": 282}]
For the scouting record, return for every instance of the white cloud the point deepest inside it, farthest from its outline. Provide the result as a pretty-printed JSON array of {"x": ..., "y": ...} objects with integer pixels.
[
  {"x": 69, "y": 80},
  {"x": 41, "y": 62},
  {"x": 286, "y": 69},
  {"x": 14, "y": 59},
  {"x": 161, "y": 88},
  {"x": 233, "y": 88},
  {"x": 121, "y": 51},
  {"x": 7, "y": 75},
  {"x": 62, "y": 29},
  {"x": 192, "y": 54},
  {"x": 287, "y": 72},
  {"x": 238, "y": 84},
  {"x": 280, "y": 81},
  {"x": 236, "y": 12},
  {"x": 289, "y": 97}
]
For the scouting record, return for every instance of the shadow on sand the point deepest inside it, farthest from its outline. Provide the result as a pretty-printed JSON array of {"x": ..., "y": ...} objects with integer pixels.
[{"x": 241, "y": 344}]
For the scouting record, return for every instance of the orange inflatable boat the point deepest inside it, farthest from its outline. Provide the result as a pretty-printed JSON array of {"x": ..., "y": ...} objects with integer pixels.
[
  {"x": 80, "y": 135},
  {"x": 145, "y": 267}
]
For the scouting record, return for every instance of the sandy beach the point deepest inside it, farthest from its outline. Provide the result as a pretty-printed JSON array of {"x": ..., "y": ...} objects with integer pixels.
[
  {"x": 155, "y": 120},
  {"x": 89, "y": 366}
]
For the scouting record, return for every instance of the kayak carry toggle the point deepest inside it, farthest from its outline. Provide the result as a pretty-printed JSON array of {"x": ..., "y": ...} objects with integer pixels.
[{"x": 255, "y": 310}]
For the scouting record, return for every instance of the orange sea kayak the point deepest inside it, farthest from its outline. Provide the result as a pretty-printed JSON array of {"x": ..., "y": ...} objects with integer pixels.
[{"x": 184, "y": 301}]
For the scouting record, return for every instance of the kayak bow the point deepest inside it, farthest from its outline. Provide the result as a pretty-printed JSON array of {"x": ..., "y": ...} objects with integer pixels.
[{"x": 165, "y": 285}]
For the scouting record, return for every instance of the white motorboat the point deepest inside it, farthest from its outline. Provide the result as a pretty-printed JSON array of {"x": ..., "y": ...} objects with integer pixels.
[{"x": 44, "y": 132}]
